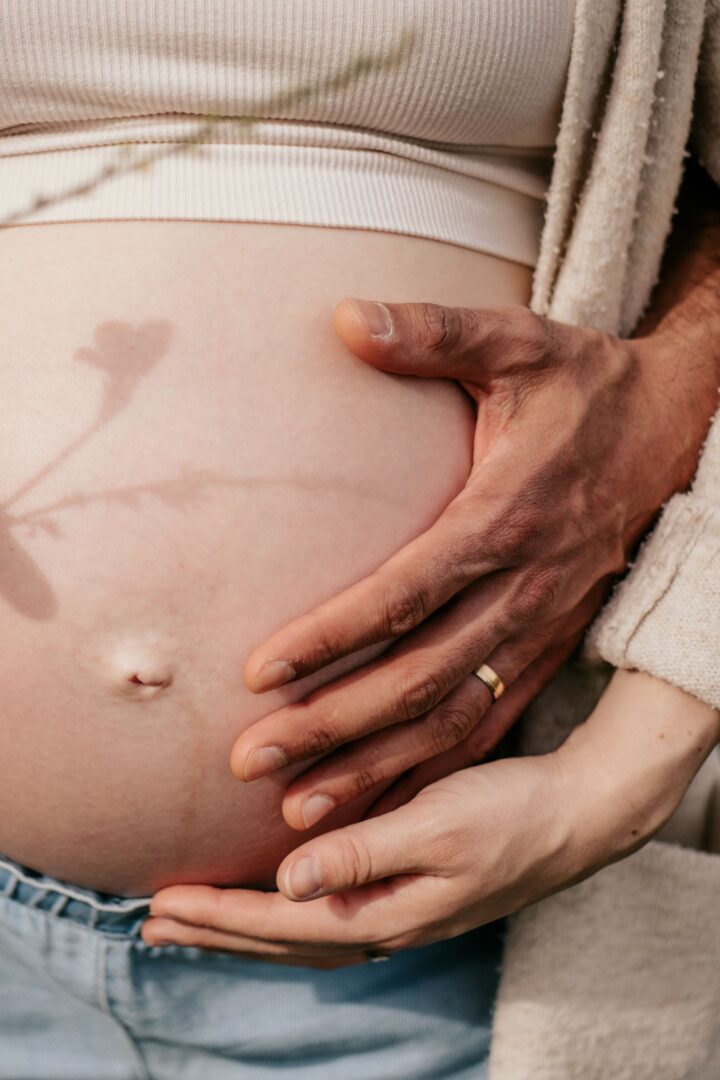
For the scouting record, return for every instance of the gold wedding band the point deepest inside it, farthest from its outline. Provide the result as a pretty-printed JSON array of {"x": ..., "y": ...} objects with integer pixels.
[{"x": 491, "y": 679}]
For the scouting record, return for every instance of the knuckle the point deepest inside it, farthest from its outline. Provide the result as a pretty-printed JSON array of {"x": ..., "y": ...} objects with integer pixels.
[
  {"x": 536, "y": 328},
  {"x": 355, "y": 862},
  {"x": 363, "y": 780},
  {"x": 525, "y": 340},
  {"x": 404, "y": 609},
  {"x": 533, "y": 336},
  {"x": 327, "y": 648},
  {"x": 474, "y": 549},
  {"x": 504, "y": 623},
  {"x": 489, "y": 544},
  {"x": 451, "y": 725},
  {"x": 419, "y": 695},
  {"x": 523, "y": 533},
  {"x": 318, "y": 740},
  {"x": 441, "y": 327},
  {"x": 541, "y": 591}
]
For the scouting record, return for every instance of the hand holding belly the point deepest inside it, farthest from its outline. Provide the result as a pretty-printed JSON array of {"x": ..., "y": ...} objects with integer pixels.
[
  {"x": 257, "y": 469},
  {"x": 575, "y": 450},
  {"x": 512, "y": 832}
]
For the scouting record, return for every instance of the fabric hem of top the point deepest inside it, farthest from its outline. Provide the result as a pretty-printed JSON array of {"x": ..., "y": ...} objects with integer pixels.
[
  {"x": 510, "y": 169},
  {"x": 294, "y": 185}
]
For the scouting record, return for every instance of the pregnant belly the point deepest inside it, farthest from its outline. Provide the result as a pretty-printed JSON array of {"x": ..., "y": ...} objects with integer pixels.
[{"x": 190, "y": 458}]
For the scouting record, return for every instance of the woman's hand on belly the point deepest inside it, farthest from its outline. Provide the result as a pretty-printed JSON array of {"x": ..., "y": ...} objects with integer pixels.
[
  {"x": 470, "y": 848},
  {"x": 575, "y": 449}
]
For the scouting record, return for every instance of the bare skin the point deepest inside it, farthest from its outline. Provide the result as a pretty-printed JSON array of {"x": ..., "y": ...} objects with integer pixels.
[{"x": 179, "y": 478}]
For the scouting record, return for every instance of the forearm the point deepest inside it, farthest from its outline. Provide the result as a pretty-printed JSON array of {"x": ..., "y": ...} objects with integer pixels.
[
  {"x": 686, "y": 300},
  {"x": 664, "y": 617},
  {"x": 680, "y": 331},
  {"x": 630, "y": 767}
]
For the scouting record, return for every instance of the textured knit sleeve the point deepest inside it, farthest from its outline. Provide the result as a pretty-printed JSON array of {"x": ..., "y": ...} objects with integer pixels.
[
  {"x": 705, "y": 133},
  {"x": 664, "y": 616}
]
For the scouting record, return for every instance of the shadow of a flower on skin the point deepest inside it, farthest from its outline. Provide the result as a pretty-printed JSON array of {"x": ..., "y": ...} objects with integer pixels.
[
  {"x": 22, "y": 584},
  {"x": 124, "y": 354}
]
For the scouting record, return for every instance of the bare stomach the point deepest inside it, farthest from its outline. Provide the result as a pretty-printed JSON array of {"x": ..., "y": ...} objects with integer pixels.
[{"x": 190, "y": 458}]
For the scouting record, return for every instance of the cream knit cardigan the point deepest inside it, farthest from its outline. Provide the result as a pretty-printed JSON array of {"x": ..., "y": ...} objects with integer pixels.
[{"x": 618, "y": 978}]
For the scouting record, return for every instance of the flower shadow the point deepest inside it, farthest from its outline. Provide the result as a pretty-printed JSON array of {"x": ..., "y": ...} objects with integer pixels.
[{"x": 124, "y": 355}]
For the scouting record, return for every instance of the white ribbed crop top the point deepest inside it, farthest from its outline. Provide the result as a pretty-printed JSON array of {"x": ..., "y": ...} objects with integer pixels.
[{"x": 435, "y": 118}]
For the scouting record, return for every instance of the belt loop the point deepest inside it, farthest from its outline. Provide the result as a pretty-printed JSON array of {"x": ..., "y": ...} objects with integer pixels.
[
  {"x": 8, "y": 889},
  {"x": 59, "y": 905},
  {"x": 135, "y": 928},
  {"x": 37, "y": 897}
]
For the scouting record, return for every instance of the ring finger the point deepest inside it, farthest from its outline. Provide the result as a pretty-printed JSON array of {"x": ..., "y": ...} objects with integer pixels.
[
  {"x": 382, "y": 757},
  {"x": 367, "y": 763},
  {"x": 402, "y": 685}
]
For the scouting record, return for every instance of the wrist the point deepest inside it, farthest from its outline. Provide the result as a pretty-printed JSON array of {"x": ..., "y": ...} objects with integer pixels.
[
  {"x": 685, "y": 307},
  {"x": 629, "y": 765},
  {"x": 679, "y": 377}
]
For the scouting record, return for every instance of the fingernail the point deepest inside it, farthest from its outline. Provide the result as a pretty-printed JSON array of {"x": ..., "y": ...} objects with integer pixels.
[
  {"x": 160, "y": 910},
  {"x": 316, "y": 807},
  {"x": 376, "y": 316},
  {"x": 303, "y": 878},
  {"x": 265, "y": 760},
  {"x": 273, "y": 674}
]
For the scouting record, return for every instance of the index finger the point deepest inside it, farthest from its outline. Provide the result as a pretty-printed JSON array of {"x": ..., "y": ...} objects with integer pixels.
[
  {"x": 365, "y": 917},
  {"x": 365, "y": 870},
  {"x": 386, "y": 604}
]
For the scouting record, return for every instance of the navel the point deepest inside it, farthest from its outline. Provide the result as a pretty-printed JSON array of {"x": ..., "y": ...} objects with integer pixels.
[{"x": 140, "y": 672}]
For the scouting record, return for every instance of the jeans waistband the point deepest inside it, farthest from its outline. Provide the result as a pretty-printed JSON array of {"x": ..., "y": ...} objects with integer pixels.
[{"x": 121, "y": 916}]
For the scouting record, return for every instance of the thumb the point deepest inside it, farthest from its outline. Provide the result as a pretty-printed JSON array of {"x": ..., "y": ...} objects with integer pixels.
[
  {"x": 431, "y": 340},
  {"x": 397, "y": 843}
]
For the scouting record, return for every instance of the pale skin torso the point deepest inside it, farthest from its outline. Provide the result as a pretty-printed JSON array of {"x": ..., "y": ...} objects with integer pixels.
[{"x": 157, "y": 527}]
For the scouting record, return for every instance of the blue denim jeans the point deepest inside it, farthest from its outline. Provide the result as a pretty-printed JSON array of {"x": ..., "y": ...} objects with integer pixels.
[{"x": 82, "y": 997}]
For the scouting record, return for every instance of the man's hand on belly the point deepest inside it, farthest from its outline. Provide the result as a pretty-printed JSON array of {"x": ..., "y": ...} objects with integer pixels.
[{"x": 577, "y": 445}]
